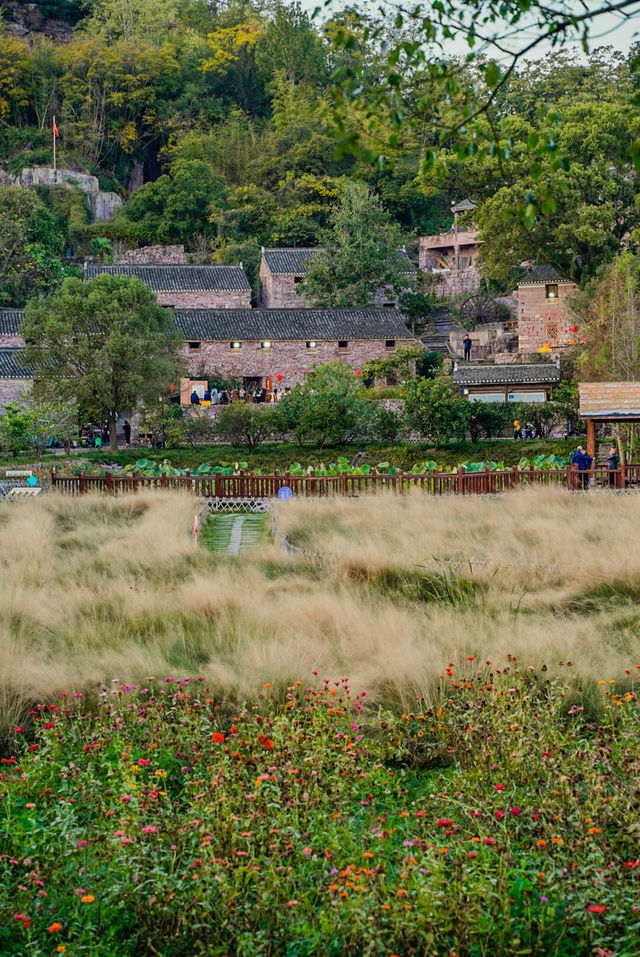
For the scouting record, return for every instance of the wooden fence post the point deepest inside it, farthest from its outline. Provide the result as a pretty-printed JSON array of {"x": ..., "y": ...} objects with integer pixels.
[
  {"x": 218, "y": 485},
  {"x": 53, "y": 478},
  {"x": 163, "y": 480},
  {"x": 189, "y": 480},
  {"x": 460, "y": 481},
  {"x": 82, "y": 484}
]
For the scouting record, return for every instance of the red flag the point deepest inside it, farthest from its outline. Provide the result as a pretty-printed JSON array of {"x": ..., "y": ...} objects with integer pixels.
[{"x": 55, "y": 128}]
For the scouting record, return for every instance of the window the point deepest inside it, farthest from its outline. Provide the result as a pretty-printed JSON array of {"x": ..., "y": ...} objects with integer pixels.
[
  {"x": 194, "y": 347},
  {"x": 265, "y": 344},
  {"x": 486, "y": 397},
  {"x": 527, "y": 396},
  {"x": 343, "y": 344},
  {"x": 388, "y": 305},
  {"x": 235, "y": 345},
  {"x": 312, "y": 345},
  {"x": 551, "y": 332},
  {"x": 551, "y": 290},
  {"x": 390, "y": 343},
  {"x": 297, "y": 280}
]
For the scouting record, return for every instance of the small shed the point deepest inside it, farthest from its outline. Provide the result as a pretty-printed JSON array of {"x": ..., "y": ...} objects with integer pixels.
[
  {"x": 601, "y": 402},
  {"x": 512, "y": 382}
]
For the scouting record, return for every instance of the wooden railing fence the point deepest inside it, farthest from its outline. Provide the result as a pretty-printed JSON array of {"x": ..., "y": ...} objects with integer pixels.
[{"x": 249, "y": 485}]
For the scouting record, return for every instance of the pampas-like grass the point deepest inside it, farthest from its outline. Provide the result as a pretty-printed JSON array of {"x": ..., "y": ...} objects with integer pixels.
[{"x": 94, "y": 589}]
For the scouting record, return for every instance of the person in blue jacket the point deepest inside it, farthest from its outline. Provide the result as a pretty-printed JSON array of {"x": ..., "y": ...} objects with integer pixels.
[{"x": 584, "y": 463}]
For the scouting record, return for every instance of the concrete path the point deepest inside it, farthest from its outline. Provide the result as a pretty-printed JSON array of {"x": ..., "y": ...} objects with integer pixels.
[{"x": 233, "y": 533}]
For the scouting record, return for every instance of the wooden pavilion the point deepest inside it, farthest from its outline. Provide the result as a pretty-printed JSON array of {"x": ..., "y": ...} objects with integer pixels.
[{"x": 601, "y": 402}]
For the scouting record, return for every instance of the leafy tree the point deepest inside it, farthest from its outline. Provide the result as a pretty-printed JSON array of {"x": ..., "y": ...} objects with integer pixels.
[
  {"x": 289, "y": 45},
  {"x": 434, "y": 410},
  {"x": 402, "y": 364},
  {"x": 326, "y": 408},
  {"x": 175, "y": 206},
  {"x": 15, "y": 429},
  {"x": 245, "y": 424},
  {"x": 52, "y": 421},
  {"x": 30, "y": 246},
  {"x": 105, "y": 343},
  {"x": 359, "y": 254},
  {"x": 608, "y": 313},
  {"x": 489, "y": 418}
]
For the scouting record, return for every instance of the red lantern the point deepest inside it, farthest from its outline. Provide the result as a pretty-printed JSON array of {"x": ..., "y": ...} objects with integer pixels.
[
  {"x": 574, "y": 328},
  {"x": 279, "y": 377},
  {"x": 357, "y": 373}
]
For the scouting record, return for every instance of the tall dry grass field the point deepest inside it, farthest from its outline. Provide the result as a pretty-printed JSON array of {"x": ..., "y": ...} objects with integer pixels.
[{"x": 97, "y": 589}]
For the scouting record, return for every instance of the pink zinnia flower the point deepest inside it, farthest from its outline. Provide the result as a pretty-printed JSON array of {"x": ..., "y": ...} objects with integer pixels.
[{"x": 150, "y": 829}]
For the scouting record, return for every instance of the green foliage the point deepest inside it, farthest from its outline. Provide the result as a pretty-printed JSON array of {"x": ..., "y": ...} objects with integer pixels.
[
  {"x": 359, "y": 255},
  {"x": 31, "y": 244},
  {"x": 326, "y": 408},
  {"x": 400, "y": 365},
  {"x": 490, "y": 419},
  {"x": 434, "y": 410},
  {"x": 15, "y": 429},
  {"x": 106, "y": 789},
  {"x": 105, "y": 343},
  {"x": 246, "y": 424}
]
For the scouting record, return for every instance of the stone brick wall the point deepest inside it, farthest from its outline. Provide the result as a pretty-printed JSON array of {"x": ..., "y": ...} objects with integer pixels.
[
  {"x": 542, "y": 320},
  {"x": 290, "y": 358},
  {"x": 449, "y": 284},
  {"x": 487, "y": 341},
  {"x": 154, "y": 256},
  {"x": 13, "y": 390},
  {"x": 203, "y": 299},
  {"x": 11, "y": 342},
  {"x": 278, "y": 292}
]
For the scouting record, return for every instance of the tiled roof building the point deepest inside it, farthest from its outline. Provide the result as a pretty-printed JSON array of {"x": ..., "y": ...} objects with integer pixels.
[
  {"x": 16, "y": 377},
  {"x": 10, "y": 322},
  {"x": 517, "y": 382},
  {"x": 543, "y": 318},
  {"x": 282, "y": 272},
  {"x": 257, "y": 344},
  {"x": 187, "y": 287}
]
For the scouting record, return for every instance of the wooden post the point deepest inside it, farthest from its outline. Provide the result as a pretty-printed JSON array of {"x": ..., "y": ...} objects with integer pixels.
[
  {"x": 189, "y": 481},
  {"x": 514, "y": 477},
  {"x": 218, "y": 485},
  {"x": 82, "y": 484},
  {"x": 591, "y": 438},
  {"x": 401, "y": 481},
  {"x": 460, "y": 481},
  {"x": 53, "y": 478}
]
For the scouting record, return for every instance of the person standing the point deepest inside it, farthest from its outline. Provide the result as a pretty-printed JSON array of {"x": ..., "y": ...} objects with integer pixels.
[
  {"x": 467, "y": 347},
  {"x": 584, "y": 463},
  {"x": 126, "y": 428},
  {"x": 612, "y": 465},
  {"x": 517, "y": 430}
]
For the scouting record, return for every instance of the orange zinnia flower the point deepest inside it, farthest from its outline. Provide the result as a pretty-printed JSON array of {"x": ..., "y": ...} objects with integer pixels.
[
  {"x": 55, "y": 927},
  {"x": 87, "y": 899}
]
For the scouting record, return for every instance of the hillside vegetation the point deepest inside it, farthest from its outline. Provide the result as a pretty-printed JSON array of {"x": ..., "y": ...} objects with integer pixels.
[{"x": 224, "y": 111}]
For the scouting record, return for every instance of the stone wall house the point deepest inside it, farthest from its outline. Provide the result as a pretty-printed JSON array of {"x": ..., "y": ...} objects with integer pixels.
[
  {"x": 519, "y": 382},
  {"x": 282, "y": 272},
  {"x": 256, "y": 344},
  {"x": 10, "y": 322},
  {"x": 450, "y": 259},
  {"x": 186, "y": 287},
  {"x": 542, "y": 311},
  {"x": 16, "y": 378}
]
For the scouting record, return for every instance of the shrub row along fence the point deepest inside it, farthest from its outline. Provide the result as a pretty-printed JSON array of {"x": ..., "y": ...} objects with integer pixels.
[{"x": 249, "y": 485}]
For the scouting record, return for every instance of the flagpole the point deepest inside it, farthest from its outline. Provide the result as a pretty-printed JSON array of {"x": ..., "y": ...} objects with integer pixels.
[{"x": 54, "y": 144}]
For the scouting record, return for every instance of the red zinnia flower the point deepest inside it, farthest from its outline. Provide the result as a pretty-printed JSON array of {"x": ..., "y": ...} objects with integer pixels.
[
  {"x": 597, "y": 908},
  {"x": 268, "y": 744},
  {"x": 218, "y": 737}
]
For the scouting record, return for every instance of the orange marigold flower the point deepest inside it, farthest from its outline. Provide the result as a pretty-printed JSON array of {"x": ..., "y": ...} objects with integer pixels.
[
  {"x": 87, "y": 898},
  {"x": 541, "y": 843},
  {"x": 594, "y": 830},
  {"x": 55, "y": 927}
]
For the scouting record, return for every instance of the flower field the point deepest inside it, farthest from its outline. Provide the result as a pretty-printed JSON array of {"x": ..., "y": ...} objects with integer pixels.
[{"x": 499, "y": 818}]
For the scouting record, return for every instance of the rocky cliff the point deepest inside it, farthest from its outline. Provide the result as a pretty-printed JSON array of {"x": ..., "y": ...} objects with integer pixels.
[
  {"x": 102, "y": 204},
  {"x": 52, "y": 19}
]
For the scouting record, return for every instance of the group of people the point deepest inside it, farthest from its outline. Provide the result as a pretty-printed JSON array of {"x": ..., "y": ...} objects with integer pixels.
[
  {"x": 528, "y": 432},
  {"x": 584, "y": 461},
  {"x": 226, "y": 396}
]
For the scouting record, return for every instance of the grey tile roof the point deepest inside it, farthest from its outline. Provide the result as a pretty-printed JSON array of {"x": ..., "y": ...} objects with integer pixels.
[
  {"x": 517, "y": 374},
  {"x": 543, "y": 273},
  {"x": 301, "y": 324},
  {"x": 293, "y": 262},
  {"x": 463, "y": 206},
  {"x": 179, "y": 278},
  {"x": 12, "y": 365},
  {"x": 10, "y": 320},
  {"x": 288, "y": 262}
]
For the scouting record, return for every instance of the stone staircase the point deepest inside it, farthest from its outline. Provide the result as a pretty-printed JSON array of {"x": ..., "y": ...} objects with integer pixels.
[{"x": 438, "y": 340}]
